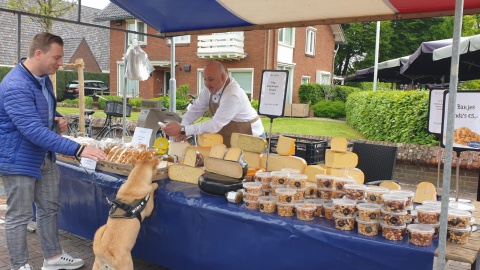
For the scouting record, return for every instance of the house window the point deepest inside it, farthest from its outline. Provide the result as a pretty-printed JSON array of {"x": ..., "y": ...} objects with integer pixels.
[
  {"x": 310, "y": 42},
  {"x": 244, "y": 77},
  {"x": 324, "y": 77},
  {"x": 132, "y": 89},
  {"x": 305, "y": 79},
  {"x": 137, "y": 26},
  {"x": 180, "y": 40},
  {"x": 286, "y": 36}
]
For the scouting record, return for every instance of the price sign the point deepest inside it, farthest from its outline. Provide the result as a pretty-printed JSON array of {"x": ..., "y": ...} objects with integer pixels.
[
  {"x": 273, "y": 93},
  {"x": 435, "y": 111}
]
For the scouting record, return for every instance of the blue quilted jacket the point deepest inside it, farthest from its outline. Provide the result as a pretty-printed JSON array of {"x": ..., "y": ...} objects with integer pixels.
[{"x": 25, "y": 136}]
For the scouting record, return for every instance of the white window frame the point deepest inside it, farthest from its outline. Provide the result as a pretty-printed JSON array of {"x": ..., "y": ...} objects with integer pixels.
[
  {"x": 305, "y": 79},
  {"x": 310, "y": 41},
  {"x": 325, "y": 74},
  {"x": 121, "y": 80},
  {"x": 185, "y": 39},
  {"x": 250, "y": 70},
  {"x": 281, "y": 37},
  {"x": 201, "y": 85},
  {"x": 291, "y": 69},
  {"x": 141, "y": 39}
]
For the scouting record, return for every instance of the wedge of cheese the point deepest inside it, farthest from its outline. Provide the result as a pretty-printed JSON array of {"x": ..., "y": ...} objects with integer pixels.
[
  {"x": 253, "y": 160},
  {"x": 285, "y": 146},
  {"x": 338, "y": 144},
  {"x": 355, "y": 173},
  {"x": 205, "y": 151},
  {"x": 184, "y": 173},
  {"x": 340, "y": 172},
  {"x": 209, "y": 139},
  {"x": 340, "y": 160},
  {"x": 312, "y": 170},
  {"x": 425, "y": 191},
  {"x": 233, "y": 154},
  {"x": 218, "y": 151},
  {"x": 233, "y": 169},
  {"x": 248, "y": 142},
  {"x": 193, "y": 158},
  {"x": 277, "y": 162},
  {"x": 178, "y": 149},
  {"x": 390, "y": 185}
]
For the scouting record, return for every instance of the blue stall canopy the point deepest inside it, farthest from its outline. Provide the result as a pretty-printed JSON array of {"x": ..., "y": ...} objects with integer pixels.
[{"x": 181, "y": 17}]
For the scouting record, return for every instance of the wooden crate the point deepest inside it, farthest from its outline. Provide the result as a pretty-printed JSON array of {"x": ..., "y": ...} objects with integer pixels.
[
  {"x": 288, "y": 110},
  {"x": 300, "y": 110}
]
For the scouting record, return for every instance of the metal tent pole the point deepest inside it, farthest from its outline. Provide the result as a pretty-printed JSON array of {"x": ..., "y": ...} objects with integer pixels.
[
  {"x": 124, "y": 119},
  {"x": 377, "y": 49},
  {"x": 173, "y": 82}
]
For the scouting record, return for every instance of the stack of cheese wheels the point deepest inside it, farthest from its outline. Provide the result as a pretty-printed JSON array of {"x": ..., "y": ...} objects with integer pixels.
[
  {"x": 205, "y": 142},
  {"x": 190, "y": 170},
  {"x": 253, "y": 148},
  {"x": 283, "y": 158}
]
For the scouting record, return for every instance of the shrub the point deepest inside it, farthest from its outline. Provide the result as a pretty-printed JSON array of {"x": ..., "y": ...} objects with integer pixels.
[
  {"x": 254, "y": 104},
  {"x": 88, "y": 102},
  {"x": 309, "y": 93},
  {"x": 329, "y": 109},
  {"x": 135, "y": 102}
]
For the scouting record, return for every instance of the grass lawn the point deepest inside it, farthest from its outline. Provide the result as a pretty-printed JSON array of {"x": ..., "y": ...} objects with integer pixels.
[{"x": 299, "y": 126}]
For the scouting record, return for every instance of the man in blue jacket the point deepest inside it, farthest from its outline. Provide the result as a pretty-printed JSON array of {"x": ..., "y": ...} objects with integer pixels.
[{"x": 27, "y": 153}]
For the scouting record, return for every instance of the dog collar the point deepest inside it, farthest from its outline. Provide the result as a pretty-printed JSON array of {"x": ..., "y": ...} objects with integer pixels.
[{"x": 119, "y": 209}]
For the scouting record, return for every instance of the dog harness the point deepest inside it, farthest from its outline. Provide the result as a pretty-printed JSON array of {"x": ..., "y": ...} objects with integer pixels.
[{"x": 119, "y": 209}]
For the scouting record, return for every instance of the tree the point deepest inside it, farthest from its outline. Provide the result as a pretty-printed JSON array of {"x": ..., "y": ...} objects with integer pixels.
[{"x": 50, "y": 8}]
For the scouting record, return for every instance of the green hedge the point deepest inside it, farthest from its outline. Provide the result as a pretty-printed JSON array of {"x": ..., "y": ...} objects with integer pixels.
[
  {"x": 312, "y": 93},
  {"x": 329, "y": 109},
  {"x": 394, "y": 116}
]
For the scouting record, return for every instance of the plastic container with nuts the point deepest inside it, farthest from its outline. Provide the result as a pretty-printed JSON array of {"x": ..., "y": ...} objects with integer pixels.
[
  {"x": 279, "y": 177},
  {"x": 375, "y": 194},
  {"x": 267, "y": 192},
  {"x": 299, "y": 194},
  {"x": 264, "y": 177},
  {"x": 394, "y": 218},
  {"x": 367, "y": 228},
  {"x": 267, "y": 204},
  {"x": 297, "y": 180},
  {"x": 458, "y": 218},
  {"x": 458, "y": 236},
  {"x": 285, "y": 210},
  {"x": 344, "y": 223},
  {"x": 340, "y": 183},
  {"x": 290, "y": 170},
  {"x": 420, "y": 234},
  {"x": 428, "y": 214},
  {"x": 409, "y": 194},
  {"x": 345, "y": 207},
  {"x": 393, "y": 233},
  {"x": 305, "y": 211},
  {"x": 328, "y": 210},
  {"x": 310, "y": 190},
  {"x": 274, "y": 188},
  {"x": 250, "y": 204},
  {"x": 337, "y": 194},
  {"x": 318, "y": 204},
  {"x": 285, "y": 195},
  {"x": 325, "y": 193},
  {"x": 368, "y": 211},
  {"x": 265, "y": 185},
  {"x": 394, "y": 202},
  {"x": 250, "y": 196},
  {"x": 354, "y": 191},
  {"x": 253, "y": 187},
  {"x": 325, "y": 180}
]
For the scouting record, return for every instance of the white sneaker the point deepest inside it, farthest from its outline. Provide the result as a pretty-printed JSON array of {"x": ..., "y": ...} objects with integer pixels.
[
  {"x": 65, "y": 261},
  {"x": 25, "y": 267}
]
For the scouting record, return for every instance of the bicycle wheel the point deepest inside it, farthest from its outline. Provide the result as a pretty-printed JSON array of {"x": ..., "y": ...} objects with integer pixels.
[
  {"x": 72, "y": 129},
  {"x": 115, "y": 132}
]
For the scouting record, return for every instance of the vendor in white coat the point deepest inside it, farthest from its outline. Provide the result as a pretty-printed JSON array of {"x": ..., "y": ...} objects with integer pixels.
[{"x": 229, "y": 106}]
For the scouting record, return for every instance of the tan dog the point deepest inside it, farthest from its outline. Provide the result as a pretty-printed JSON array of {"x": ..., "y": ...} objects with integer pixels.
[{"x": 113, "y": 242}]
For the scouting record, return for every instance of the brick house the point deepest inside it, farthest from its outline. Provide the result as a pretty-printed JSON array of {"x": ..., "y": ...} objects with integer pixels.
[{"x": 307, "y": 52}]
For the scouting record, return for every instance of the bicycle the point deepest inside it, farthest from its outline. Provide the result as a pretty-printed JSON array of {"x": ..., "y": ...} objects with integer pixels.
[{"x": 108, "y": 130}]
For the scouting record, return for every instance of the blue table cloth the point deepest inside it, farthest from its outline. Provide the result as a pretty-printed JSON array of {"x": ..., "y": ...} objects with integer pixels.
[{"x": 192, "y": 230}]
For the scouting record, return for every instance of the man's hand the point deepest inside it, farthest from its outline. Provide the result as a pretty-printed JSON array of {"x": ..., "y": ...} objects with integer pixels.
[
  {"x": 93, "y": 153},
  {"x": 62, "y": 123},
  {"x": 172, "y": 129}
]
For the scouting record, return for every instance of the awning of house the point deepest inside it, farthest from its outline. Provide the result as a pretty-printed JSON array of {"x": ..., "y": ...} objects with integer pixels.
[{"x": 180, "y": 17}]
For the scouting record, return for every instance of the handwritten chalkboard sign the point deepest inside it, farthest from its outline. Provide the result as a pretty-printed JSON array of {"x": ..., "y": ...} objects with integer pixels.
[
  {"x": 273, "y": 93},
  {"x": 435, "y": 111},
  {"x": 466, "y": 126}
]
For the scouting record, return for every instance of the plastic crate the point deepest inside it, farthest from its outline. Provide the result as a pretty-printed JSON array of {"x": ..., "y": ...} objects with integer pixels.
[
  {"x": 115, "y": 108},
  {"x": 312, "y": 150}
]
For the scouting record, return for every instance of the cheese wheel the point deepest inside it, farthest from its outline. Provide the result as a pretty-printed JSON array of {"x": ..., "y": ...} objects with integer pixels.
[
  {"x": 218, "y": 151},
  {"x": 234, "y": 169},
  {"x": 340, "y": 172},
  {"x": 355, "y": 173},
  {"x": 253, "y": 160},
  {"x": 209, "y": 139},
  {"x": 233, "y": 154},
  {"x": 390, "y": 185},
  {"x": 312, "y": 170},
  {"x": 285, "y": 146},
  {"x": 340, "y": 160},
  {"x": 248, "y": 143},
  {"x": 193, "y": 158},
  {"x": 216, "y": 184},
  {"x": 184, "y": 173},
  {"x": 205, "y": 151},
  {"x": 425, "y": 191},
  {"x": 339, "y": 144},
  {"x": 277, "y": 162}
]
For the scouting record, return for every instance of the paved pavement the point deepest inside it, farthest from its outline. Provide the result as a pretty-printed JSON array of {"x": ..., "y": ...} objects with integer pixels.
[{"x": 80, "y": 247}]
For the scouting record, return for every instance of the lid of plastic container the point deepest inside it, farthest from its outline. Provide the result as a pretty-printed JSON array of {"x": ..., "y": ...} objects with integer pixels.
[
  {"x": 267, "y": 199},
  {"x": 354, "y": 186},
  {"x": 459, "y": 213},
  {"x": 328, "y": 205},
  {"x": 421, "y": 228},
  {"x": 335, "y": 215},
  {"x": 252, "y": 185},
  {"x": 408, "y": 193},
  {"x": 298, "y": 176},
  {"x": 472, "y": 220},
  {"x": 286, "y": 204},
  {"x": 428, "y": 208},
  {"x": 370, "y": 222},
  {"x": 435, "y": 225},
  {"x": 279, "y": 173},
  {"x": 368, "y": 206},
  {"x": 393, "y": 213},
  {"x": 394, "y": 197},
  {"x": 285, "y": 191},
  {"x": 290, "y": 170},
  {"x": 277, "y": 186},
  {"x": 344, "y": 202},
  {"x": 263, "y": 174},
  {"x": 397, "y": 227},
  {"x": 326, "y": 189},
  {"x": 345, "y": 179},
  {"x": 377, "y": 190},
  {"x": 314, "y": 201},
  {"x": 467, "y": 229},
  {"x": 325, "y": 176},
  {"x": 305, "y": 206},
  {"x": 310, "y": 184},
  {"x": 464, "y": 206}
]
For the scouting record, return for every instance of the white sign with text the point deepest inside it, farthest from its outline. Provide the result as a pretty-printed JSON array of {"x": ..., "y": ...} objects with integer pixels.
[
  {"x": 142, "y": 136},
  {"x": 273, "y": 92}
]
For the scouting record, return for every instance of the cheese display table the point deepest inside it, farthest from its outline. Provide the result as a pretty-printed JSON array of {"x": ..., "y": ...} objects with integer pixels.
[{"x": 192, "y": 230}]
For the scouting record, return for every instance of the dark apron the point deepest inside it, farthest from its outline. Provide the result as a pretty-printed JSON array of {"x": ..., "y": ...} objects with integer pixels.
[{"x": 232, "y": 126}]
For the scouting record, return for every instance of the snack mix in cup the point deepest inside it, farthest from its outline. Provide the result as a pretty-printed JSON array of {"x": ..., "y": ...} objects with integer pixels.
[
  {"x": 305, "y": 211},
  {"x": 340, "y": 183},
  {"x": 393, "y": 233},
  {"x": 274, "y": 188},
  {"x": 250, "y": 204},
  {"x": 285, "y": 210},
  {"x": 328, "y": 210},
  {"x": 428, "y": 214},
  {"x": 367, "y": 228},
  {"x": 458, "y": 236},
  {"x": 420, "y": 234},
  {"x": 393, "y": 218},
  {"x": 345, "y": 207},
  {"x": 290, "y": 170},
  {"x": 368, "y": 211},
  {"x": 319, "y": 206},
  {"x": 253, "y": 187},
  {"x": 409, "y": 194},
  {"x": 279, "y": 177},
  {"x": 285, "y": 195},
  {"x": 458, "y": 219},
  {"x": 337, "y": 194},
  {"x": 354, "y": 191},
  {"x": 325, "y": 181},
  {"x": 325, "y": 193},
  {"x": 299, "y": 194},
  {"x": 344, "y": 223},
  {"x": 250, "y": 196},
  {"x": 264, "y": 177},
  {"x": 267, "y": 192},
  {"x": 267, "y": 204},
  {"x": 374, "y": 194},
  {"x": 297, "y": 180},
  {"x": 394, "y": 203},
  {"x": 310, "y": 190}
]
